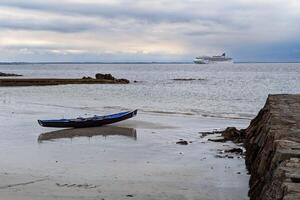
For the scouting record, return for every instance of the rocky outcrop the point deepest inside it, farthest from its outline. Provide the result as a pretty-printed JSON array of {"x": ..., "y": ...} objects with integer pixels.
[
  {"x": 8, "y": 74},
  {"x": 110, "y": 77},
  {"x": 106, "y": 79},
  {"x": 105, "y": 76},
  {"x": 229, "y": 134},
  {"x": 273, "y": 150}
]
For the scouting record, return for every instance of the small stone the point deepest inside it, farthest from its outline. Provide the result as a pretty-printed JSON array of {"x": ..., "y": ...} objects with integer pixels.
[
  {"x": 182, "y": 142},
  {"x": 234, "y": 150},
  {"x": 217, "y": 140}
]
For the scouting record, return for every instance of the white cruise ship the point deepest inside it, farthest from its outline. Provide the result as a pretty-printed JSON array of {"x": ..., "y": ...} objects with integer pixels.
[{"x": 212, "y": 59}]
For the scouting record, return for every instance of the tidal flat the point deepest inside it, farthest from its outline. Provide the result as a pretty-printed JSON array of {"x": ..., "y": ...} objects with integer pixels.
[{"x": 137, "y": 159}]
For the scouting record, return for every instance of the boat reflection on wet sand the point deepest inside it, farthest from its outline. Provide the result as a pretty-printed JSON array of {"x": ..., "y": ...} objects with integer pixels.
[{"x": 88, "y": 132}]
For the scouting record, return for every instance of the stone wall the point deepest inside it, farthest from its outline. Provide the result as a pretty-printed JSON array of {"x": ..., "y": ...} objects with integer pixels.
[{"x": 273, "y": 150}]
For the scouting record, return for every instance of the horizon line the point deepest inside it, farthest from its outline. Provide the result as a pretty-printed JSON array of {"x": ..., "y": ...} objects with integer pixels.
[{"x": 132, "y": 62}]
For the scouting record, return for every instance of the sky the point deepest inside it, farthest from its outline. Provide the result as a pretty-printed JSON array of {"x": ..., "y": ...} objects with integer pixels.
[{"x": 148, "y": 30}]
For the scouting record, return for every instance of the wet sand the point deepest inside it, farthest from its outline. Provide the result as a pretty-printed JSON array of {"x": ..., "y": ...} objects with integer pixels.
[{"x": 134, "y": 159}]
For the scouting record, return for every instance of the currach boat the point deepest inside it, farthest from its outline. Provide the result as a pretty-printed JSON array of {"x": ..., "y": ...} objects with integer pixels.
[{"x": 81, "y": 122}]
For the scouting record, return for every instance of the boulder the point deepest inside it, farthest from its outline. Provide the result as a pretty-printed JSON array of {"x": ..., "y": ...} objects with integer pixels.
[
  {"x": 233, "y": 134},
  {"x": 105, "y": 76},
  {"x": 87, "y": 77},
  {"x": 182, "y": 142},
  {"x": 111, "y": 78},
  {"x": 123, "y": 80},
  {"x": 234, "y": 150}
]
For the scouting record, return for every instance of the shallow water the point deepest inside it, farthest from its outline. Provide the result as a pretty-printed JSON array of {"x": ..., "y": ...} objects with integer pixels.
[
  {"x": 150, "y": 165},
  {"x": 229, "y": 90}
]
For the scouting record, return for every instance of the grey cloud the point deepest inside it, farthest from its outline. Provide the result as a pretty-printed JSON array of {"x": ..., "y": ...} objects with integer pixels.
[
  {"x": 186, "y": 24},
  {"x": 205, "y": 33},
  {"x": 55, "y": 26},
  {"x": 117, "y": 11}
]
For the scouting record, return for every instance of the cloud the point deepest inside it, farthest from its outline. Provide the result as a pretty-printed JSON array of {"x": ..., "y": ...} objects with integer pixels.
[{"x": 173, "y": 29}]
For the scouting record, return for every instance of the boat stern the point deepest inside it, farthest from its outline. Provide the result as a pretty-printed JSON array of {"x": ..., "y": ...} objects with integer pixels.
[{"x": 40, "y": 122}]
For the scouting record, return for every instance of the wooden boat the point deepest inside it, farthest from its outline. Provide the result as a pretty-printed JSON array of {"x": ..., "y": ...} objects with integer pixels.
[{"x": 88, "y": 122}]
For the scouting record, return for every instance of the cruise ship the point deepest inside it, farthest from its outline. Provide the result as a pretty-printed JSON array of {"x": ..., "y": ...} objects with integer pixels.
[{"x": 212, "y": 59}]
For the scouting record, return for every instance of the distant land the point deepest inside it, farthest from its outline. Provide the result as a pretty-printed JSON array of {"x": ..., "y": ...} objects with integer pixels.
[
  {"x": 166, "y": 62},
  {"x": 21, "y": 63}
]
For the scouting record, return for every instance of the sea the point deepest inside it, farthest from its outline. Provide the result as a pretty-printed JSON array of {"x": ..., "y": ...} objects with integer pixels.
[
  {"x": 214, "y": 90},
  {"x": 138, "y": 157}
]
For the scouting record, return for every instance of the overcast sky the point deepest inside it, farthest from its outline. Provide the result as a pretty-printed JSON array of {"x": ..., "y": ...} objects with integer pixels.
[{"x": 148, "y": 30}]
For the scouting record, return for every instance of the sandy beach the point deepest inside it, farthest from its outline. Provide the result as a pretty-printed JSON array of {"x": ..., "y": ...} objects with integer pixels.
[
  {"x": 136, "y": 159},
  {"x": 139, "y": 158}
]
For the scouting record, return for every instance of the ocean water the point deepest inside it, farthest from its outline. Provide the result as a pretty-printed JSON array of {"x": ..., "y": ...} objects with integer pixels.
[
  {"x": 143, "y": 159},
  {"x": 228, "y": 90}
]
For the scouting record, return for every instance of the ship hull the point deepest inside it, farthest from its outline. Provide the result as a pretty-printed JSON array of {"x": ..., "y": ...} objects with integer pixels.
[{"x": 212, "y": 59}]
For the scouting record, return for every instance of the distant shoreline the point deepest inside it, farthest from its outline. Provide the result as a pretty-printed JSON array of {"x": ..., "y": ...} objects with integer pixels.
[
  {"x": 31, "y": 63},
  {"x": 92, "y": 63}
]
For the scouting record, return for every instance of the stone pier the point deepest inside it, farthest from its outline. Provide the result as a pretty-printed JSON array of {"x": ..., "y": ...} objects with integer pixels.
[{"x": 273, "y": 150}]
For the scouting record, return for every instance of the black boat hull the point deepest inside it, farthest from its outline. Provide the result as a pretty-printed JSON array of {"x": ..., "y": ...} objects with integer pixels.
[{"x": 86, "y": 123}]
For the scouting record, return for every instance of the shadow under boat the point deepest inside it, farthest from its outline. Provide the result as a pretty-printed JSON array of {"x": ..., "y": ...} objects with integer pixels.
[{"x": 88, "y": 132}]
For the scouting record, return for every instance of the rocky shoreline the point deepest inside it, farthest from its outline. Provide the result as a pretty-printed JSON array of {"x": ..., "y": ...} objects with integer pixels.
[
  {"x": 272, "y": 143},
  {"x": 99, "y": 79}
]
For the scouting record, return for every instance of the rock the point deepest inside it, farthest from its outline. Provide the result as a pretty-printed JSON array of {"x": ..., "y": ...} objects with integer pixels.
[
  {"x": 189, "y": 79},
  {"x": 111, "y": 78},
  {"x": 233, "y": 134},
  {"x": 203, "y": 134},
  {"x": 217, "y": 140},
  {"x": 182, "y": 142},
  {"x": 122, "y": 80},
  {"x": 105, "y": 76},
  {"x": 230, "y": 133},
  {"x": 4, "y": 82},
  {"x": 234, "y": 150},
  {"x": 8, "y": 74},
  {"x": 87, "y": 77},
  {"x": 184, "y": 79}
]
